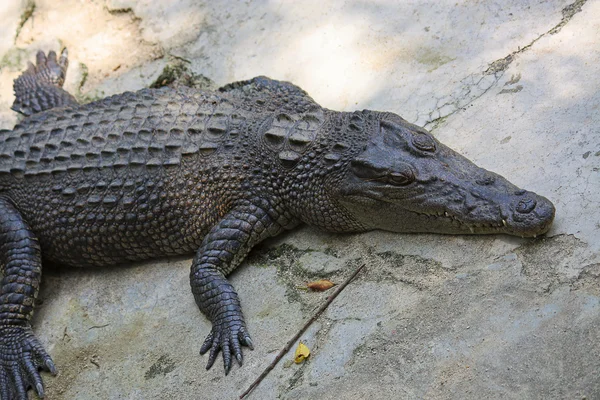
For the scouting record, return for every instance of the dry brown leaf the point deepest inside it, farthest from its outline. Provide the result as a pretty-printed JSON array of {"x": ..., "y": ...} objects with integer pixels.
[{"x": 320, "y": 285}]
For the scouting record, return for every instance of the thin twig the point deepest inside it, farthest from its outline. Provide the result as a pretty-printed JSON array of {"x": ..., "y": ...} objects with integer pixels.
[{"x": 291, "y": 342}]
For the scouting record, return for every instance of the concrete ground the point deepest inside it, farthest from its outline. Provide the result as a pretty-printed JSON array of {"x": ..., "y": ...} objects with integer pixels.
[{"x": 513, "y": 85}]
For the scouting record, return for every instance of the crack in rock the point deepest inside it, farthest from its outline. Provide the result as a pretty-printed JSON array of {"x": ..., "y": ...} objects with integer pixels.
[
  {"x": 476, "y": 85},
  {"x": 25, "y": 16}
]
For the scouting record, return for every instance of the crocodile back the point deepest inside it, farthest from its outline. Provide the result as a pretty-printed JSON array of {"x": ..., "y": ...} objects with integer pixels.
[
  {"x": 150, "y": 129},
  {"x": 164, "y": 164}
]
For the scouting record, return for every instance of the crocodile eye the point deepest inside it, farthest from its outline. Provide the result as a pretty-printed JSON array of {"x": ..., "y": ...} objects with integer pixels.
[
  {"x": 423, "y": 142},
  {"x": 402, "y": 178}
]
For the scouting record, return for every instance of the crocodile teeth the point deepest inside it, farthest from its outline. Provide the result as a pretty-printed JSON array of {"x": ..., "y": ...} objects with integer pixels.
[
  {"x": 446, "y": 214},
  {"x": 504, "y": 222},
  {"x": 471, "y": 229}
]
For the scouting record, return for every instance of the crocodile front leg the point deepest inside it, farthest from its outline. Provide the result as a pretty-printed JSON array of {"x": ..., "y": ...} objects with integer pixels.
[
  {"x": 21, "y": 354},
  {"x": 222, "y": 250}
]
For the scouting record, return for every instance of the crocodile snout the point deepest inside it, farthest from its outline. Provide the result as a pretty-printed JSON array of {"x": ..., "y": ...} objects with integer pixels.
[{"x": 531, "y": 214}]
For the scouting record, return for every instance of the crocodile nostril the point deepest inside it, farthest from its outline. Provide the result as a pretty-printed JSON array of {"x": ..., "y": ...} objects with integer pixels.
[{"x": 525, "y": 206}]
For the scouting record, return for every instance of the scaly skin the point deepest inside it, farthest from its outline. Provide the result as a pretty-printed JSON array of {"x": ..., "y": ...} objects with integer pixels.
[
  {"x": 176, "y": 171},
  {"x": 21, "y": 355}
]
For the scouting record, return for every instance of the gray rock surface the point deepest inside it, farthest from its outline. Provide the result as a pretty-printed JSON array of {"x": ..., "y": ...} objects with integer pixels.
[{"x": 512, "y": 85}]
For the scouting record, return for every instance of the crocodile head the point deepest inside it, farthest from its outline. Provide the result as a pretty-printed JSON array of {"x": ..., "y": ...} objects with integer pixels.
[{"x": 404, "y": 180}]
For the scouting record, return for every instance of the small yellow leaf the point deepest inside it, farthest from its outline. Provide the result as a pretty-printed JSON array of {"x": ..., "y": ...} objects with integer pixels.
[
  {"x": 320, "y": 285},
  {"x": 302, "y": 353}
]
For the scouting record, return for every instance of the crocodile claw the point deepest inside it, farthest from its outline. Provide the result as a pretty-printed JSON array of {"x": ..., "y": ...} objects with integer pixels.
[
  {"x": 49, "y": 69},
  {"x": 21, "y": 358},
  {"x": 39, "y": 87},
  {"x": 227, "y": 336}
]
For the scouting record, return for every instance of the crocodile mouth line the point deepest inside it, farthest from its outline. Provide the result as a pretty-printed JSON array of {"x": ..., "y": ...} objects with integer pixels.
[
  {"x": 472, "y": 226},
  {"x": 501, "y": 227}
]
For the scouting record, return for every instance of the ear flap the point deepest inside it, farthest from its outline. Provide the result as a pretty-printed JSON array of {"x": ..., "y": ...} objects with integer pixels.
[
  {"x": 365, "y": 169},
  {"x": 401, "y": 174}
]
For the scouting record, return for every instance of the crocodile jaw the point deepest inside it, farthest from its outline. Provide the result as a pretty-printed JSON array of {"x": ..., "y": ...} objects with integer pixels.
[{"x": 395, "y": 218}]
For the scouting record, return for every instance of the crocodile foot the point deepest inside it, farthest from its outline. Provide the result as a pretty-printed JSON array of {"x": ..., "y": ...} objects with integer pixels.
[
  {"x": 49, "y": 69},
  {"x": 229, "y": 335},
  {"x": 21, "y": 358},
  {"x": 39, "y": 87}
]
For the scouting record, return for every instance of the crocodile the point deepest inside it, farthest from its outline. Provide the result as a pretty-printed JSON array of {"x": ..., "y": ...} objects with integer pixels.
[{"x": 176, "y": 170}]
